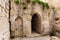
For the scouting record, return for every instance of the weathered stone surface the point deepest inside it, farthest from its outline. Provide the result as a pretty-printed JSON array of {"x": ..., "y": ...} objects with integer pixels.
[
  {"x": 21, "y": 15},
  {"x": 27, "y": 14},
  {"x": 36, "y": 38},
  {"x": 57, "y": 20},
  {"x": 57, "y": 34},
  {"x": 55, "y": 38},
  {"x": 4, "y": 21},
  {"x": 4, "y": 29}
]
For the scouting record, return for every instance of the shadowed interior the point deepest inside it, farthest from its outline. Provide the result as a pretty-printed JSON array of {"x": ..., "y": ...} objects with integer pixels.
[{"x": 36, "y": 23}]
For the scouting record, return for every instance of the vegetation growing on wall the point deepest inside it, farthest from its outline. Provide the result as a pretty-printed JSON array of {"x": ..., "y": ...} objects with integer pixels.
[
  {"x": 16, "y": 1},
  {"x": 44, "y": 4}
]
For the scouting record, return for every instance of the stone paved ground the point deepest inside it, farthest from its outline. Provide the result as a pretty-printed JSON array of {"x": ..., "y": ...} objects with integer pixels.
[{"x": 38, "y": 38}]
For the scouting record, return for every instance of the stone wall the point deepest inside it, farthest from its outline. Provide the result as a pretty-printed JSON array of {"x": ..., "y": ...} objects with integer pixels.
[
  {"x": 16, "y": 20},
  {"x": 56, "y": 9},
  {"x": 4, "y": 20},
  {"x": 21, "y": 19},
  {"x": 25, "y": 12}
]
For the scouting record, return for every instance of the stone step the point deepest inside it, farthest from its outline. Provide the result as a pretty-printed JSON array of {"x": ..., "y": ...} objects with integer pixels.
[
  {"x": 39, "y": 38},
  {"x": 34, "y": 38},
  {"x": 34, "y": 34}
]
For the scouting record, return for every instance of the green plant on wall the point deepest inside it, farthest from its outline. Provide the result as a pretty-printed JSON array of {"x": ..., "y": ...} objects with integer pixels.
[
  {"x": 16, "y": 1},
  {"x": 44, "y": 4}
]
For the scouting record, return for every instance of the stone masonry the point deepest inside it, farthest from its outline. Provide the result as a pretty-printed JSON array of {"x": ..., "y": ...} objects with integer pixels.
[
  {"x": 44, "y": 17},
  {"x": 29, "y": 20},
  {"x": 4, "y": 20}
]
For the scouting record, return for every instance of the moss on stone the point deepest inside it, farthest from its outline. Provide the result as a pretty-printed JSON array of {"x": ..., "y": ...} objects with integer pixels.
[
  {"x": 16, "y": 1},
  {"x": 44, "y": 4}
]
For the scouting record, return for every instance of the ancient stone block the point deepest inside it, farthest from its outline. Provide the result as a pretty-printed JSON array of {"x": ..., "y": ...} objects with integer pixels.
[
  {"x": 17, "y": 32},
  {"x": 4, "y": 28}
]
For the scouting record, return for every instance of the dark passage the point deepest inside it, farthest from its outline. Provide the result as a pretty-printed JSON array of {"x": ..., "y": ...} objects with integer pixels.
[{"x": 36, "y": 23}]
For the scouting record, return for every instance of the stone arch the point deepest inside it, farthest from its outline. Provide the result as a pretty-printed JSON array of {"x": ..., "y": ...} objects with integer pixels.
[
  {"x": 20, "y": 20},
  {"x": 36, "y": 23},
  {"x": 18, "y": 27}
]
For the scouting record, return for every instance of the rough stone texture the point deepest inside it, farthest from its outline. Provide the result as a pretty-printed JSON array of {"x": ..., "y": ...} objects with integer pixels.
[
  {"x": 21, "y": 19},
  {"x": 45, "y": 23},
  {"x": 54, "y": 3},
  {"x": 16, "y": 20},
  {"x": 39, "y": 38},
  {"x": 55, "y": 38},
  {"x": 4, "y": 29},
  {"x": 36, "y": 38},
  {"x": 57, "y": 34},
  {"x": 4, "y": 21},
  {"x": 57, "y": 22}
]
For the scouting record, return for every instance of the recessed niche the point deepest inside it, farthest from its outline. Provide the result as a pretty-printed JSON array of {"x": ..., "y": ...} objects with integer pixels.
[
  {"x": 23, "y": 3},
  {"x": 18, "y": 28},
  {"x": 56, "y": 19},
  {"x": 24, "y": 8}
]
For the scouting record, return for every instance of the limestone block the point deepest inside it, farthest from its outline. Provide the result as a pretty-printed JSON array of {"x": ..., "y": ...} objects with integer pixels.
[
  {"x": 55, "y": 38},
  {"x": 6, "y": 6},
  {"x": 4, "y": 29},
  {"x": 54, "y": 3},
  {"x": 57, "y": 34},
  {"x": 2, "y": 3},
  {"x": 6, "y": 15},
  {"x": 57, "y": 20},
  {"x": 1, "y": 11},
  {"x": 45, "y": 29},
  {"x": 37, "y": 9},
  {"x": 16, "y": 27},
  {"x": 7, "y": 1},
  {"x": 57, "y": 27}
]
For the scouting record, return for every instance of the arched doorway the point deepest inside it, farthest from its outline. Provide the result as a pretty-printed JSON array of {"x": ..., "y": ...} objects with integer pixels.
[
  {"x": 36, "y": 23},
  {"x": 19, "y": 27}
]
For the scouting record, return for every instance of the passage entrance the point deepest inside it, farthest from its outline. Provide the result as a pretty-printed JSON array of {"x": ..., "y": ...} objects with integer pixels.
[{"x": 36, "y": 23}]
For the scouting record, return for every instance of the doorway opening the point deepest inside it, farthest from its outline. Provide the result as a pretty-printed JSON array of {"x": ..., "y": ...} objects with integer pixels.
[{"x": 36, "y": 24}]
